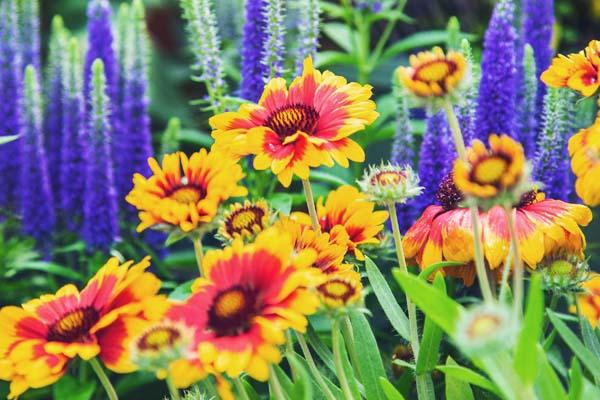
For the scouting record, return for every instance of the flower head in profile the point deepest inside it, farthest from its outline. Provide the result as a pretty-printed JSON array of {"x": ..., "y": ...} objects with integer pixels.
[
  {"x": 584, "y": 148},
  {"x": 588, "y": 301},
  {"x": 251, "y": 294},
  {"x": 564, "y": 275},
  {"x": 348, "y": 212},
  {"x": 245, "y": 220},
  {"x": 433, "y": 75},
  {"x": 579, "y": 71},
  {"x": 185, "y": 193},
  {"x": 304, "y": 126},
  {"x": 39, "y": 339},
  {"x": 390, "y": 183},
  {"x": 341, "y": 289},
  {"x": 486, "y": 329},
  {"x": 495, "y": 175}
]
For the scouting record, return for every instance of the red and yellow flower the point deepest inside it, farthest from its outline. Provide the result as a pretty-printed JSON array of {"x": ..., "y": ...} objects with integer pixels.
[
  {"x": 305, "y": 126},
  {"x": 341, "y": 289},
  {"x": 584, "y": 148},
  {"x": 578, "y": 71},
  {"x": 38, "y": 340},
  {"x": 251, "y": 294},
  {"x": 589, "y": 300},
  {"x": 185, "y": 193},
  {"x": 433, "y": 74},
  {"x": 490, "y": 173},
  {"x": 244, "y": 220},
  {"x": 544, "y": 228},
  {"x": 348, "y": 212}
]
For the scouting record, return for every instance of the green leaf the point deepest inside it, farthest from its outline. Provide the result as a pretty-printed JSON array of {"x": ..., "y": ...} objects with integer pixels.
[
  {"x": 432, "y": 337},
  {"x": 391, "y": 393},
  {"x": 334, "y": 389},
  {"x": 330, "y": 57},
  {"x": 590, "y": 339},
  {"x": 327, "y": 177},
  {"x": 8, "y": 139},
  {"x": 587, "y": 358},
  {"x": 320, "y": 348},
  {"x": 370, "y": 366},
  {"x": 433, "y": 302},
  {"x": 196, "y": 137},
  {"x": 70, "y": 388},
  {"x": 457, "y": 389},
  {"x": 348, "y": 370},
  {"x": 547, "y": 383},
  {"x": 302, "y": 388},
  {"x": 424, "y": 274},
  {"x": 285, "y": 382},
  {"x": 48, "y": 267},
  {"x": 182, "y": 291},
  {"x": 340, "y": 34},
  {"x": 281, "y": 202},
  {"x": 421, "y": 39},
  {"x": 175, "y": 236},
  {"x": 525, "y": 359},
  {"x": 467, "y": 375},
  {"x": 575, "y": 380},
  {"x": 386, "y": 299}
]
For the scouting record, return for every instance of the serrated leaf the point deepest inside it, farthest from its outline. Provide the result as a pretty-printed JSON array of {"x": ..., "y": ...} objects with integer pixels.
[
  {"x": 370, "y": 366},
  {"x": 525, "y": 360},
  {"x": 434, "y": 303},
  {"x": 386, "y": 299},
  {"x": 457, "y": 389},
  {"x": 432, "y": 337},
  {"x": 391, "y": 393}
]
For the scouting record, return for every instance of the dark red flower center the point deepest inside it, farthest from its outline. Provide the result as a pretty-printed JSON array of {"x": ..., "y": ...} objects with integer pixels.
[
  {"x": 244, "y": 219},
  {"x": 186, "y": 193},
  {"x": 448, "y": 194},
  {"x": 292, "y": 118},
  {"x": 435, "y": 70},
  {"x": 232, "y": 310},
  {"x": 337, "y": 289},
  {"x": 158, "y": 337},
  {"x": 74, "y": 326}
]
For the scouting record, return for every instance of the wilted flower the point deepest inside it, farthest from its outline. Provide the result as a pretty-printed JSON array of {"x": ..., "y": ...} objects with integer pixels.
[
  {"x": 390, "y": 183},
  {"x": 584, "y": 148},
  {"x": 434, "y": 75},
  {"x": 486, "y": 329},
  {"x": 244, "y": 220},
  {"x": 498, "y": 175}
]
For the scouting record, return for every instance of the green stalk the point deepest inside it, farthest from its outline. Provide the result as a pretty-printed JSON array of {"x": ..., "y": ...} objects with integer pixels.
[
  {"x": 313, "y": 367},
  {"x": 199, "y": 254},
  {"x": 173, "y": 391},
  {"x": 310, "y": 203},
  {"x": 337, "y": 359},
  {"x": 518, "y": 273},
  {"x": 108, "y": 387},
  {"x": 239, "y": 385},
  {"x": 350, "y": 345},
  {"x": 275, "y": 385}
]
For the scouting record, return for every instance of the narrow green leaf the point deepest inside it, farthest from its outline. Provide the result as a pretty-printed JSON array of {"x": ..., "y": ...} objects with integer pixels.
[
  {"x": 348, "y": 370},
  {"x": 386, "y": 299},
  {"x": 281, "y": 202},
  {"x": 547, "y": 383},
  {"x": 285, "y": 382},
  {"x": 590, "y": 339},
  {"x": 182, "y": 291},
  {"x": 457, "y": 389},
  {"x": 586, "y": 357},
  {"x": 302, "y": 388},
  {"x": 196, "y": 137},
  {"x": 525, "y": 359},
  {"x": 330, "y": 57},
  {"x": 370, "y": 366},
  {"x": 432, "y": 337},
  {"x": 8, "y": 139},
  {"x": 575, "y": 380},
  {"x": 333, "y": 387},
  {"x": 320, "y": 348},
  {"x": 174, "y": 236},
  {"x": 51, "y": 268},
  {"x": 323, "y": 176},
  {"x": 469, "y": 376},
  {"x": 421, "y": 39},
  {"x": 426, "y": 273},
  {"x": 434, "y": 303},
  {"x": 340, "y": 34},
  {"x": 391, "y": 393}
]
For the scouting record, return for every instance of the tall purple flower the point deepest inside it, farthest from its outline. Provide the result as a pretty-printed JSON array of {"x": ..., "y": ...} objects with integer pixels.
[
  {"x": 466, "y": 111},
  {"x": 10, "y": 93},
  {"x": 29, "y": 32},
  {"x": 53, "y": 117},
  {"x": 72, "y": 166},
  {"x": 254, "y": 72},
  {"x": 100, "y": 224},
  {"x": 497, "y": 91},
  {"x": 435, "y": 158},
  {"x": 308, "y": 32},
  {"x": 527, "y": 117},
  {"x": 37, "y": 209},
  {"x": 273, "y": 51},
  {"x": 538, "y": 24}
]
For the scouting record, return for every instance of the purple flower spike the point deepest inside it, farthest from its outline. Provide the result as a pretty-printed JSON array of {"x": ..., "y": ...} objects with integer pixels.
[{"x": 254, "y": 72}]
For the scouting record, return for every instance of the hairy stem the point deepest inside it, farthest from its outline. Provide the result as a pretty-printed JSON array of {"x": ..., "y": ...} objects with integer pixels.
[{"x": 108, "y": 387}]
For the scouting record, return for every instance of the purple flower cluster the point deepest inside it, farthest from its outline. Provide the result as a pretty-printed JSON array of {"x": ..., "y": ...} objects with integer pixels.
[
  {"x": 29, "y": 33},
  {"x": 497, "y": 90},
  {"x": 254, "y": 72}
]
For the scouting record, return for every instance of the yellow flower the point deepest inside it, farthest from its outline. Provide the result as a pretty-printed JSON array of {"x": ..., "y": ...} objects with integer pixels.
[
  {"x": 341, "y": 289},
  {"x": 185, "y": 193},
  {"x": 348, "y": 212},
  {"x": 589, "y": 301},
  {"x": 305, "y": 126},
  {"x": 584, "y": 148},
  {"x": 578, "y": 71},
  {"x": 433, "y": 74},
  {"x": 244, "y": 220},
  {"x": 490, "y": 173}
]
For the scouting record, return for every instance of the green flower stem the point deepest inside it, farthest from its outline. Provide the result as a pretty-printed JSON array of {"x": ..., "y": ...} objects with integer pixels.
[
  {"x": 313, "y": 367},
  {"x": 199, "y": 254},
  {"x": 462, "y": 154},
  {"x": 239, "y": 385},
  {"x": 505, "y": 273},
  {"x": 108, "y": 387},
  {"x": 350, "y": 344},
  {"x": 275, "y": 385},
  {"x": 553, "y": 303},
  {"x": 518, "y": 273},
  {"x": 424, "y": 384},
  {"x": 310, "y": 203},
  {"x": 337, "y": 360},
  {"x": 289, "y": 351},
  {"x": 173, "y": 391}
]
